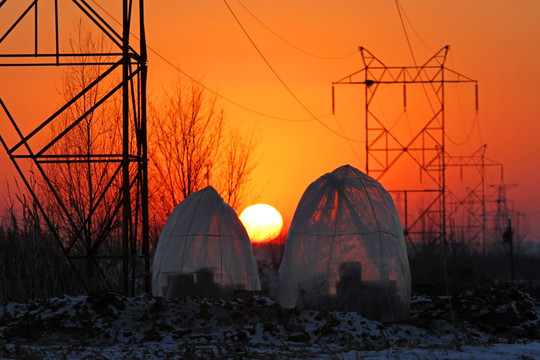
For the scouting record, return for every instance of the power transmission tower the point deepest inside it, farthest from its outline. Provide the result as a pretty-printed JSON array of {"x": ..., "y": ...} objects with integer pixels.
[
  {"x": 469, "y": 210},
  {"x": 124, "y": 66},
  {"x": 424, "y": 148},
  {"x": 506, "y": 223},
  {"x": 504, "y": 210}
]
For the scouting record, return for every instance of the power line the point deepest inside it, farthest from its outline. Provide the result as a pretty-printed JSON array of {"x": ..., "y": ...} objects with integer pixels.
[
  {"x": 177, "y": 68},
  {"x": 401, "y": 14},
  {"x": 413, "y": 28},
  {"x": 362, "y": 162},
  {"x": 414, "y": 60},
  {"x": 281, "y": 80},
  {"x": 231, "y": 101},
  {"x": 467, "y": 138},
  {"x": 291, "y": 44},
  {"x": 412, "y": 55},
  {"x": 226, "y": 98},
  {"x": 476, "y": 120},
  {"x": 405, "y": 31}
]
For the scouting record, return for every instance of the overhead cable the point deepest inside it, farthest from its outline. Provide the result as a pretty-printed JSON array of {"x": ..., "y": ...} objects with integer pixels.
[
  {"x": 467, "y": 138},
  {"x": 405, "y": 32},
  {"x": 281, "y": 80},
  {"x": 476, "y": 120},
  {"x": 362, "y": 162},
  {"x": 412, "y": 52},
  {"x": 233, "y": 102},
  {"x": 413, "y": 28},
  {"x": 291, "y": 44}
]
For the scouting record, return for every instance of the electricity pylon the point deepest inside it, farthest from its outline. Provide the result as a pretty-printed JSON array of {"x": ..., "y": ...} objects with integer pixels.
[
  {"x": 469, "y": 210},
  {"x": 503, "y": 211},
  {"x": 126, "y": 185},
  {"x": 425, "y": 149}
]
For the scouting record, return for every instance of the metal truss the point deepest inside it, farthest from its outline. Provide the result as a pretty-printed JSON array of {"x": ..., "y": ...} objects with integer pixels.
[
  {"x": 503, "y": 212},
  {"x": 467, "y": 212},
  {"x": 425, "y": 148},
  {"x": 481, "y": 214},
  {"x": 120, "y": 241}
]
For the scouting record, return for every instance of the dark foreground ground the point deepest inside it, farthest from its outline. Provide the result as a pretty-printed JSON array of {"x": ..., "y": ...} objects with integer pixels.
[{"x": 495, "y": 322}]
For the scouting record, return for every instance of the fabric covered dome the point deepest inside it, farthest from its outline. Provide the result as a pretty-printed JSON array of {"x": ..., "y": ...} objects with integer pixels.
[
  {"x": 203, "y": 250},
  {"x": 345, "y": 249}
]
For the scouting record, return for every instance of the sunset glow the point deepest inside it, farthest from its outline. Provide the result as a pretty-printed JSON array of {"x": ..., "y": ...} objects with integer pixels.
[
  {"x": 272, "y": 64},
  {"x": 262, "y": 222}
]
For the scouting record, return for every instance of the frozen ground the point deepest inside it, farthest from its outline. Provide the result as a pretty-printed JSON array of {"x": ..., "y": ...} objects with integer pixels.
[{"x": 491, "y": 323}]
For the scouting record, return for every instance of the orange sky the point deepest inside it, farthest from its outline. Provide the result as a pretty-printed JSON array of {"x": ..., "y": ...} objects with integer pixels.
[{"x": 495, "y": 42}]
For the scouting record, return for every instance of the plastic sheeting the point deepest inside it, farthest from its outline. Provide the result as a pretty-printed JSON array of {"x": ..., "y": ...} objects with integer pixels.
[
  {"x": 345, "y": 249},
  {"x": 203, "y": 250}
]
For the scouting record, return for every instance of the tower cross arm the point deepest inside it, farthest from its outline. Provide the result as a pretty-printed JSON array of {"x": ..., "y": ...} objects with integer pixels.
[{"x": 351, "y": 78}]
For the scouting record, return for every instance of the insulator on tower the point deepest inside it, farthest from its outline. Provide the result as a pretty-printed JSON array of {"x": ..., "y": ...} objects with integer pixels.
[{"x": 333, "y": 100}]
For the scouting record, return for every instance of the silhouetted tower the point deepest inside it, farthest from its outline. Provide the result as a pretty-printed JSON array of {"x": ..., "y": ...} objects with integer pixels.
[
  {"x": 469, "y": 210},
  {"x": 122, "y": 197},
  {"x": 508, "y": 238},
  {"x": 503, "y": 211},
  {"x": 424, "y": 149}
]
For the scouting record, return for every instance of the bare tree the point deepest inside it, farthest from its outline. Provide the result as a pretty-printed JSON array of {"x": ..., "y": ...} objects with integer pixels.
[
  {"x": 192, "y": 148},
  {"x": 83, "y": 206},
  {"x": 236, "y": 167}
]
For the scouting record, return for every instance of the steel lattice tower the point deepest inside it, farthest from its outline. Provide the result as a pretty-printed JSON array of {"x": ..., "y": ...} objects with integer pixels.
[
  {"x": 470, "y": 210},
  {"x": 425, "y": 148},
  {"x": 125, "y": 187}
]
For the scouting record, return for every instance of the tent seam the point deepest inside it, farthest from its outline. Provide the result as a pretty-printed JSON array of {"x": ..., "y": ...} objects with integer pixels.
[{"x": 187, "y": 233}]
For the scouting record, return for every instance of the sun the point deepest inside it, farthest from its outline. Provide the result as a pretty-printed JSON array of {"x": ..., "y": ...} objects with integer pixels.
[{"x": 262, "y": 222}]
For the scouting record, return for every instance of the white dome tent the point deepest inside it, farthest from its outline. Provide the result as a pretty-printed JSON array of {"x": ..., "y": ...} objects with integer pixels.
[
  {"x": 203, "y": 250},
  {"x": 345, "y": 249}
]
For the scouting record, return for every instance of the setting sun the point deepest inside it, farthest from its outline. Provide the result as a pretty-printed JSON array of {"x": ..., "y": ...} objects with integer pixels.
[{"x": 262, "y": 222}]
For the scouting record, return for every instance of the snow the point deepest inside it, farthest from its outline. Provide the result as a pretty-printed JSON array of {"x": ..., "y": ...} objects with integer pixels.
[
  {"x": 111, "y": 326},
  {"x": 498, "y": 351}
]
